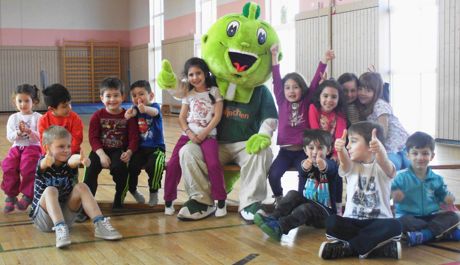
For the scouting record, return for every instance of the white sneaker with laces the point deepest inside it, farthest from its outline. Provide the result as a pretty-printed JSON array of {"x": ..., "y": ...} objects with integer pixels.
[
  {"x": 104, "y": 229},
  {"x": 62, "y": 236}
]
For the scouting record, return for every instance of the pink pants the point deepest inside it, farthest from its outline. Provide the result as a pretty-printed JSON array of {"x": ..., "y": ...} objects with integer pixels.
[
  {"x": 20, "y": 161},
  {"x": 210, "y": 150}
]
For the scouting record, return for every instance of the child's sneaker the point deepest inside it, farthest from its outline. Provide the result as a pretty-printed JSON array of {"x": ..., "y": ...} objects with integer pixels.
[
  {"x": 391, "y": 249},
  {"x": 453, "y": 235},
  {"x": 193, "y": 210},
  {"x": 9, "y": 204},
  {"x": 249, "y": 211},
  {"x": 335, "y": 249},
  {"x": 103, "y": 229},
  {"x": 169, "y": 208},
  {"x": 271, "y": 227},
  {"x": 277, "y": 200},
  {"x": 23, "y": 203},
  {"x": 62, "y": 235},
  {"x": 414, "y": 238},
  {"x": 138, "y": 196},
  {"x": 221, "y": 210},
  {"x": 153, "y": 200}
]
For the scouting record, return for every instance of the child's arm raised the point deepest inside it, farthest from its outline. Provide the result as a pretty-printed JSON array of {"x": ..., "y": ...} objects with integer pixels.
[
  {"x": 130, "y": 113},
  {"x": 329, "y": 55},
  {"x": 151, "y": 111},
  {"x": 342, "y": 154},
  {"x": 277, "y": 82},
  {"x": 376, "y": 147},
  {"x": 47, "y": 161}
]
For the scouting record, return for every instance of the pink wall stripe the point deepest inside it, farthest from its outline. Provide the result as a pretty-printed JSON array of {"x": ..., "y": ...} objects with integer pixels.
[
  {"x": 180, "y": 26},
  {"x": 54, "y": 37},
  {"x": 139, "y": 36}
]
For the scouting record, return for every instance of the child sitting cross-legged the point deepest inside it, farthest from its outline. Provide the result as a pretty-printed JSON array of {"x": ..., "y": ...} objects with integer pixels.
[
  {"x": 418, "y": 193},
  {"x": 317, "y": 201},
  {"x": 56, "y": 200},
  {"x": 367, "y": 227}
]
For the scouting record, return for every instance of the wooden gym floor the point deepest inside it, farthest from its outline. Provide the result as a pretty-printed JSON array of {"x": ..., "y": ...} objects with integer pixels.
[{"x": 150, "y": 237}]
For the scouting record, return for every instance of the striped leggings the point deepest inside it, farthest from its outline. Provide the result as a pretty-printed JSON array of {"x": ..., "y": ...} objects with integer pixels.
[{"x": 150, "y": 159}]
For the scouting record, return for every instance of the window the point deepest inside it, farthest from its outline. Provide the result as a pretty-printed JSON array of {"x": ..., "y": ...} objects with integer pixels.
[
  {"x": 156, "y": 37},
  {"x": 206, "y": 13}
]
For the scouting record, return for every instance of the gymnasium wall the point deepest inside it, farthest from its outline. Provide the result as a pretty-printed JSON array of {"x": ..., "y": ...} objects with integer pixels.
[
  {"x": 31, "y": 33},
  {"x": 448, "y": 91}
]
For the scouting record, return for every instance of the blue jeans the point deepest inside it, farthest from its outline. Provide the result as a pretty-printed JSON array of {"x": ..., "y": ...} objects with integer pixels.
[{"x": 399, "y": 159}]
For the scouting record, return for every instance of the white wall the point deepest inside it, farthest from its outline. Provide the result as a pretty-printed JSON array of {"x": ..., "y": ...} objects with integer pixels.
[
  {"x": 178, "y": 8},
  {"x": 138, "y": 14}
]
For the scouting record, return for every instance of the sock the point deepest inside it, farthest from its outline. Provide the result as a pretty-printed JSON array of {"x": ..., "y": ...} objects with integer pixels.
[
  {"x": 168, "y": 203},
  {"x": 58, "y": 223},
  {"x": 427, "y": 235},
  {"x": 98, "y": 218},
  {"x": 221, "y": 204}
]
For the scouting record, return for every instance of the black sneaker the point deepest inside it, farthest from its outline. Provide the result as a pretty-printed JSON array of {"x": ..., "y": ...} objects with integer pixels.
[
  {"x": 391, "y": 249},
  {"x": 335, "y": 249}
]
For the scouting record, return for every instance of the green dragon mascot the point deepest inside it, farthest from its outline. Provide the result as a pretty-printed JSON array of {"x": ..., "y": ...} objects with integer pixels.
[{"x": 237, "y": 50}]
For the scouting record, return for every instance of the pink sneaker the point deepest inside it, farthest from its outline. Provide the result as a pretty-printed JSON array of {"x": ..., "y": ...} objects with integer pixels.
[
  {"x": 23, "y": 203},
  {"x": 9, "y": 204}
]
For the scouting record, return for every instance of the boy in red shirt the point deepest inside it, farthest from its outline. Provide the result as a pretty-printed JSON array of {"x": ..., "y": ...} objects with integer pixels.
[{"x": 57, "y": 100}]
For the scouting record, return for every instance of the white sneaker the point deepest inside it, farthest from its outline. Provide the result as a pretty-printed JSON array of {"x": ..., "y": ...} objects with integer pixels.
[
  {"x": 221, "y": 212},
  {"x": 62, "y": 236},
  {"x": 104, "y": 229},
  {"x": 153, "y": 200},
  {"x": 193, "y": 210},
  {"x": 170, "y": 210},
  {"x": 139, "y": 197}
]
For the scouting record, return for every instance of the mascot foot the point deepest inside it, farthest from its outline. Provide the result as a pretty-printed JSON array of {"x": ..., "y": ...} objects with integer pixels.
[
  {"x": 249, "y": 211},
  {"x": 193, "y": 210}
]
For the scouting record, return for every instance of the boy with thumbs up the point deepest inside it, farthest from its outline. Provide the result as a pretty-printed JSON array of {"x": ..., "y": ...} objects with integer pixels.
[
  {"x": 367, "y": 227},
  {"x": 317, "y": 201},
  {"x": 151, "y": 152},
  {"x": 56, "y": 200}
]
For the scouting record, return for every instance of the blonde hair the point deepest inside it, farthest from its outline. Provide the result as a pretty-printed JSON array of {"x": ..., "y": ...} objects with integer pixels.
[{"x": 55, "y": 132}]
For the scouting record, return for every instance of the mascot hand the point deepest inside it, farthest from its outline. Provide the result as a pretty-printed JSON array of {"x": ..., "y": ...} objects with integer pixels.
[
  {"x": 257, "y": 142},
  {"x": 166, "y": 79}
]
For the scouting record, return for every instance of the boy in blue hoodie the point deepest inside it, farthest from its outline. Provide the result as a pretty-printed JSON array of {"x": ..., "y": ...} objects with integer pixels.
[{"x": 418, "y": 193}]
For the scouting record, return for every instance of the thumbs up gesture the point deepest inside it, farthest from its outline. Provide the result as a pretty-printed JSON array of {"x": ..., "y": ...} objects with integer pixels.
[
  {"x": 375, "y": 146},
  {"x": 48, "y": 161},
  {"x": 320, "y": 162},
  {"x": 341, "y": 142},
  {"x": 141, "y": 106}
]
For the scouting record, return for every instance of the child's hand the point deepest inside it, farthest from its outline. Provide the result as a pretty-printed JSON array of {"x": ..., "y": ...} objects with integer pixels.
[
  {"x": 307, "y": 164},
  {"x": 397, "y": 195},
  {"x": 105, "y": 160},
  {"x": 202, "y": 136},
  {"x": 320, "y": 162},
  {"x": 48, "y": 160},
  {"x": 449, "y": 199},
  {"x": 335, "y": 158},
  {"x": 126, "y": 156},
  {"x": 275, "y": 53},
  {"x": 130, "y": 113},
  {"x": 329, "y": 56},
  {"x": 323, "y": 77},
  {"x": 341, "y": 142},
  {"x": 375, "y": 146},
  {"x": 141, "y": 106},
  {"x": 84, "y": 160}
]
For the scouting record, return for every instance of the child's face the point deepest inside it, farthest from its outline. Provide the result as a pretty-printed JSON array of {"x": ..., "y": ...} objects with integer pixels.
[
  {"x": 329, "y": 98},
  {"x": 358, "y": 148},
  {"x": 60, "y": 149},
  {"x": 196, "y": 78},
  {"x": 351, "y": 91},
  {"x": 112, "y": 99},
  {"x": 140, "y": 95},
  {"x": 314, "y": 149},
  {"x": 365, "y": 95},
  {"x": 62, "y": 110},
  {"x": 292, "y": 91},
  {"x": 420, "y": 157},
  {"x": 24, "y": 103}
]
